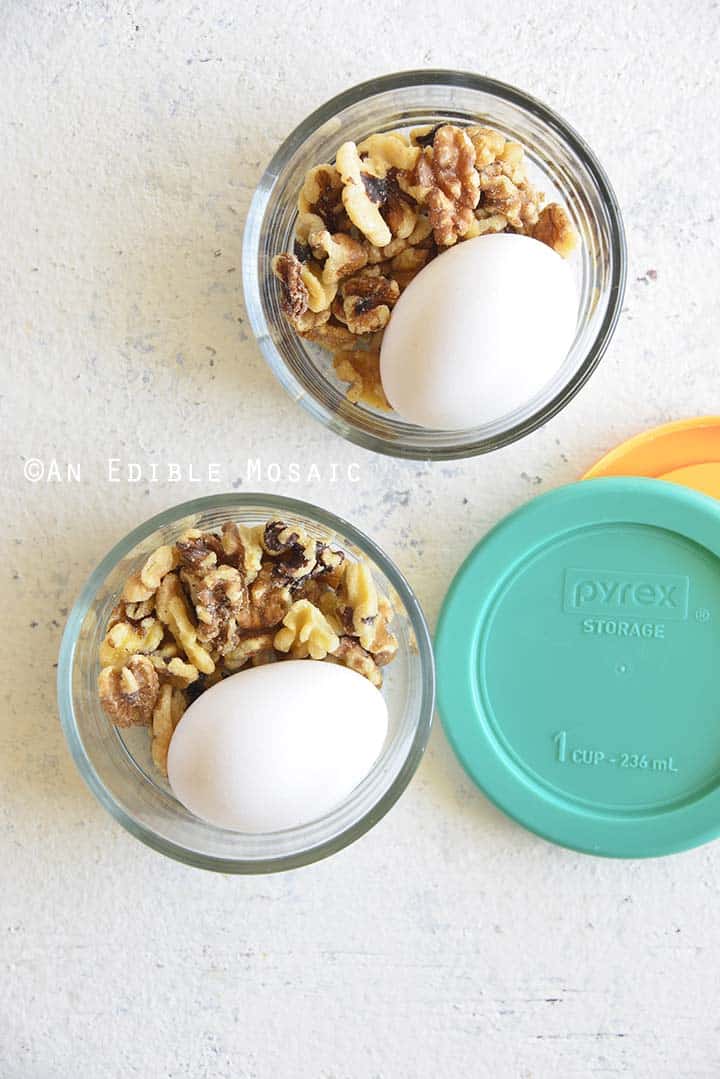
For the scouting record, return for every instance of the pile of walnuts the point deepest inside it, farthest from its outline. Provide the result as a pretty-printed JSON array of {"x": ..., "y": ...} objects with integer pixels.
[
  {"x": 212, "y": 603},
  {"x": 370, "y": 222}
]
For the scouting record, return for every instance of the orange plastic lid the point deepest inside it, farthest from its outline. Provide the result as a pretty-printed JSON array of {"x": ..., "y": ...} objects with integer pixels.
[{"x": 685, "y": 452}]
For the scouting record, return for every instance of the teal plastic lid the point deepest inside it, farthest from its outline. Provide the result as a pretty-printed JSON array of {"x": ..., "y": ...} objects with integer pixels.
[{"x": 578, "y": 662}]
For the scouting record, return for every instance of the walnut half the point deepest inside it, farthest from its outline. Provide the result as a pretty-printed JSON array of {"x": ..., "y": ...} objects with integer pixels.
[
  {"x": 128, "y": 695},
  {"x": 293, "y": 549},
  {"x": 447, "y": 181},
  {"x": 243, "y": 548},
  {"x": 359, "y": 594},
  {"x": 555, "y": 229},
  {"x": 306, "y": 632},
  {"x": 220, "y": 598},
  {"x": 293, "y": 290},
  {"x": 126, "y": 639},
  {"x": 173, "y": 612},
  {"x": 362, "y": 193},
  {"x": 367, "y": 299}
]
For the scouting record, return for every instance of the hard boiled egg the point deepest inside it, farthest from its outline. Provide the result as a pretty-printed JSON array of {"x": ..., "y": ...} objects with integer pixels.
[
  {"x": 481, "y": 330},
  {"x": 277, "y": 746}
]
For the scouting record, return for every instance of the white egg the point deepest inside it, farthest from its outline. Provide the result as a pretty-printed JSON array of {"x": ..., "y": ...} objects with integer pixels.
[
  {"x": 277, "y": 746},
  {"x": 481, "y": 330}
]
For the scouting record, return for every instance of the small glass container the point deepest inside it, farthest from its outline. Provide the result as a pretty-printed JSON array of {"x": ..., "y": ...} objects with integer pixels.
[
  {"x": 116, "y": 764},
  {"x": 559, "y": 163}
]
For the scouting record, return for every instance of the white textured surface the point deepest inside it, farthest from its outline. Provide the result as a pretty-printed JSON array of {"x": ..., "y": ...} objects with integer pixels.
[{"x": 447, "y": 941}]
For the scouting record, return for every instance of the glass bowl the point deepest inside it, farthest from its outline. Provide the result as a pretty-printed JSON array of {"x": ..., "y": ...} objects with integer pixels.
[
  {"x": 116, "y": 765},
  {"x": 559, "y": 162}
]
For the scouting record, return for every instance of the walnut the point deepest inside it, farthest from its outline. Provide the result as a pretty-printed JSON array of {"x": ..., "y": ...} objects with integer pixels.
[
  {"x": 157, "y": 564},
  {"x": 375, "y": 254},
  {"x": 312, "y": 589},
  {"x": 168, "y": 648},
  {"x": 270, "y": 600},
  {"x": 312, "y": 323},
  {"x": 359, "y": 595},
  {"x": 243, "y": 549},
  {"x": 331, "y": 335},
  {"x": 321, "y": 293},
  {"x": 329, "y": 564},
  {"x": 137, "y": 612},
  {"x": 219, "y": 599},
  {"x": 512, "y": 162},
  {"x": 450, "y": 185},
  {"x": 367, "y": 299},
  {"x": 134, "y": 591},
  {"x": 293, "y": 290},
  {"x": 321, "y": 195},
  {"x": 359, "y": 610},
  {"x": 361, "y": 368},
  {"x": 531, "y": 204},
  {"x": 421, "y": 232},
  {"x": 399, "y": 215},
  {"x": 411, "y": 260},
  {"x": 519, "y": 202},
  {"x": 351, "y": 654},
  {"x": 505, "y": 188},
  {"x": 128, "y": 695},
  {"x": 118, "y": 613},
  {"x": 306, "y": 632},
  {"x": 326, "y": 576},
  {"x": 423, "y": 136},
  {"x": 386, "y": 151},
  {"x": 306, "y": 226},
  {"x": 395, "y": 247},
  {"x": 554, "y": 228},
  {"x": 142, "y": 586},
  {"x": 384, "y": 644},
  {"x": 338, "y": 615},
  {"x": 294, "y": 551},
  {"x": 483, "y": 225},
  {"x": 125, "y": 639},
  {"x": 488, "y": 145},
  {"x": 372, "y": 196},
  {"x": 171, "y": 703},
  {"x": 131, "y": 612},
  {"x": 500, "y": 197},
  {"x": 362, "y": 193},
  {"x": 419, "y": 239},
  {"x": 174, "y": 670},
  {"x": 198, "y": 551},
  {"x": 173, "y": 611},
  {"x": 344, "y": 256},
  {"x": 251, "y": 646},
  {"x": 181, "y": 674},
  {"x": 302, "y": 289}
]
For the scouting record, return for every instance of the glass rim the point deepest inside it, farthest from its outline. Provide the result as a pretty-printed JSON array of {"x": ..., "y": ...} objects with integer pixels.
[
  {"x": 251, "y": 250},
  {"x": 84, "y": 764}
]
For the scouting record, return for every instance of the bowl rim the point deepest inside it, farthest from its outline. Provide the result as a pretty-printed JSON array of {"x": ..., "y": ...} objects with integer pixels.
[
  {"x": 66, "y": 662},
  {"x": 251, "y": 251}
]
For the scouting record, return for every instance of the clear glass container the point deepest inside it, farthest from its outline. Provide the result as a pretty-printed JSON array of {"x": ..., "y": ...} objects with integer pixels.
[
  {"x": 117, "y": 765},
  {"x": 560, "y": 163}
]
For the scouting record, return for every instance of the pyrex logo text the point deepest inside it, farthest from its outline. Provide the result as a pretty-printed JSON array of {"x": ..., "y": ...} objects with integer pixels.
[{"x": 658, "y": 595}]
